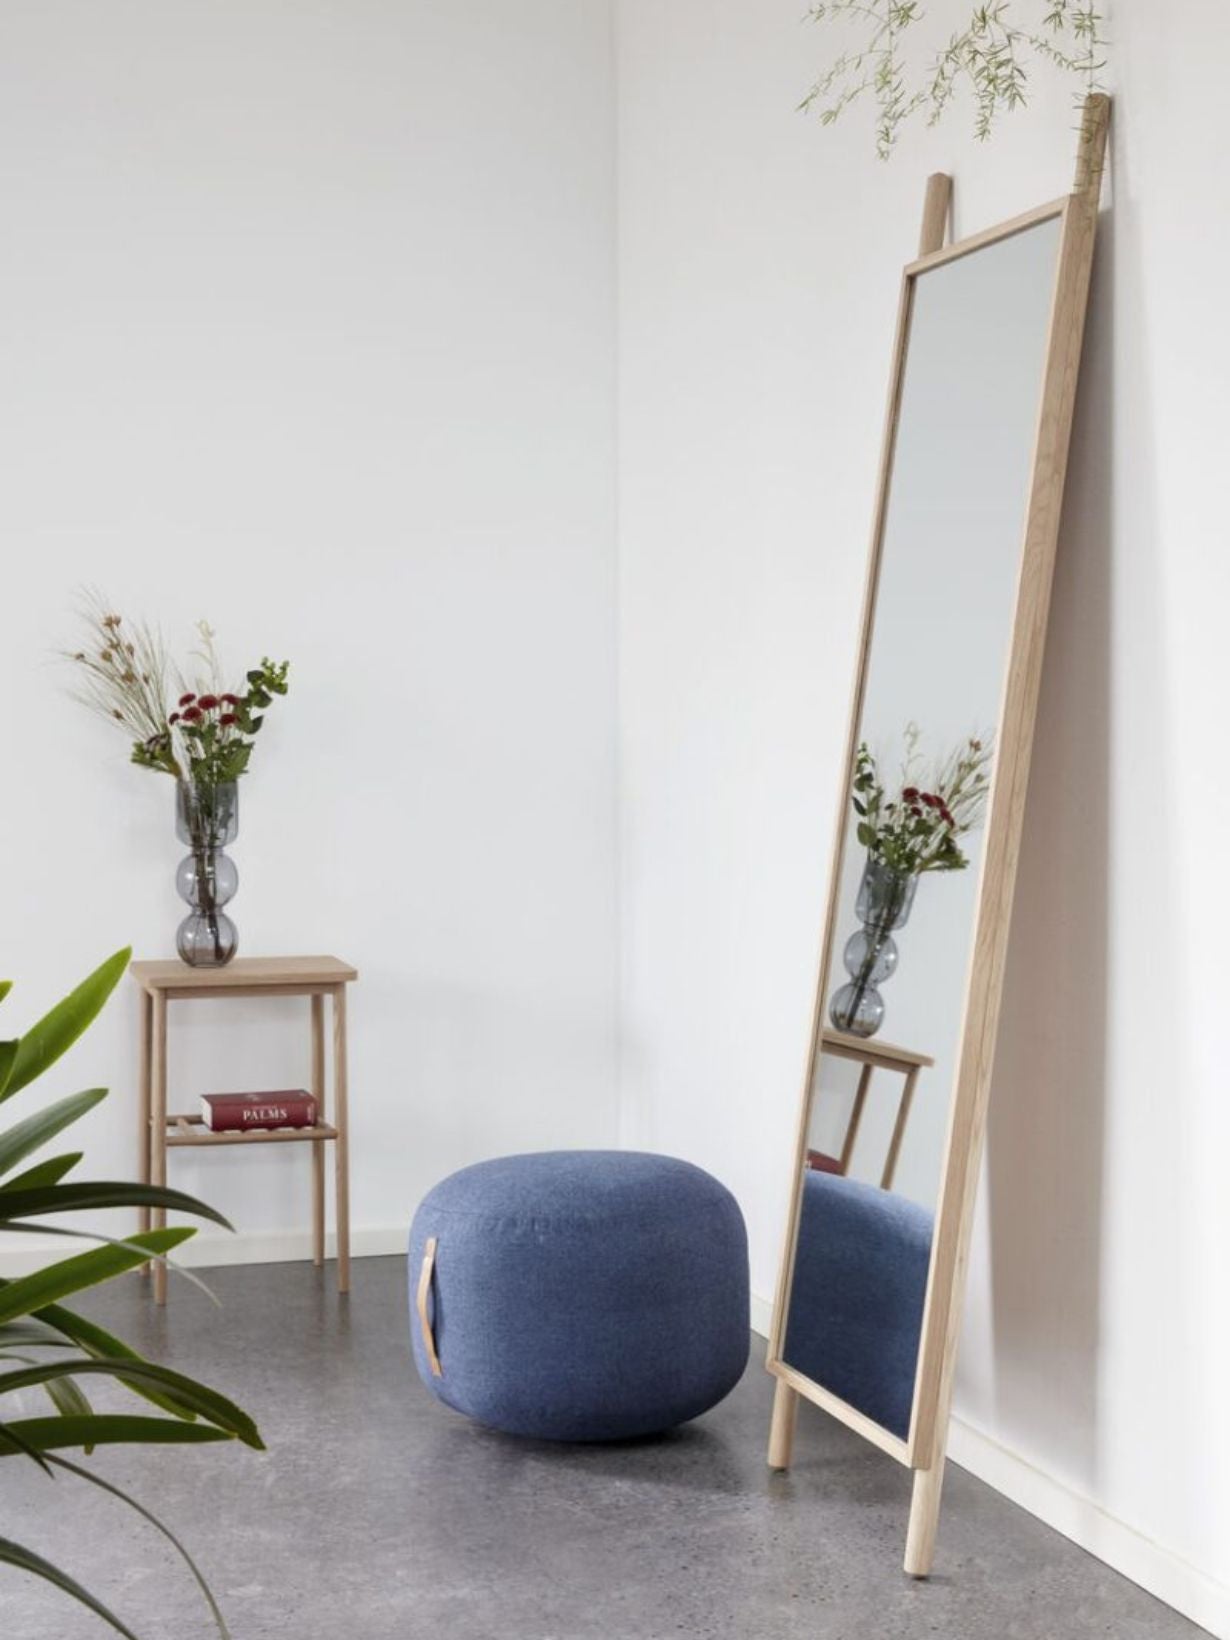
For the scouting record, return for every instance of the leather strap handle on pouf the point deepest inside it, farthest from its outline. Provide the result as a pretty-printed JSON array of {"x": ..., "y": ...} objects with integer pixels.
[{"x": 429, "y": 1343}]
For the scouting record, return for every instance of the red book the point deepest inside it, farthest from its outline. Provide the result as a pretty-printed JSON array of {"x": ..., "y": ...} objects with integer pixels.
[
  {"x": 820, "y": 1163},
  {"x": 232, "y": 1112}
]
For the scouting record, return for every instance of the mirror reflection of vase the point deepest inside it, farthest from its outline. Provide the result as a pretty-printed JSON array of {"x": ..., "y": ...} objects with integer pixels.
[{"x": 885, "y": 898}]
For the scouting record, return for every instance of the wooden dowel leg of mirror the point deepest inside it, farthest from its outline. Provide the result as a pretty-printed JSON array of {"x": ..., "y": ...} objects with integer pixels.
[
  {"x": 781, "y": 1429},
  {"x": 924, "y": 1519},
  {"x": 1091, "y": 153},
  {"x": 935, "y": 213}
]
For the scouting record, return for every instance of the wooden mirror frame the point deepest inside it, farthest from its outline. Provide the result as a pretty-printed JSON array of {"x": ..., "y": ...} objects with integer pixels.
[{"x": 923, "y": 1451}]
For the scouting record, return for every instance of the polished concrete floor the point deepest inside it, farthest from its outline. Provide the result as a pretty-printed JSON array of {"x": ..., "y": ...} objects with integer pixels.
[{"x": 378, "y": 1515}]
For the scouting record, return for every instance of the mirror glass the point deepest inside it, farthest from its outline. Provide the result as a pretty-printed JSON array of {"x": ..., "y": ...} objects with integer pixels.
[{"x": 907, "y": 884}]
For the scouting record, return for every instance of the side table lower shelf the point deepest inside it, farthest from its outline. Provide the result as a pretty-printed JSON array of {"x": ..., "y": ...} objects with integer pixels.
[{"x": 179, "y": 1132}]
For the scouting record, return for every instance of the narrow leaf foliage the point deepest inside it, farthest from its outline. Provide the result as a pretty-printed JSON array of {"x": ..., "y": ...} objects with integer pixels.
[{"x": 45, "y": 1346}]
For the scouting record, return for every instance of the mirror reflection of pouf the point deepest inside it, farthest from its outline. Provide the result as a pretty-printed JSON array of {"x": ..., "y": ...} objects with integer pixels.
[
  {"x": 856, "y": 1304},
  {"x": 580, "y": 1295}
]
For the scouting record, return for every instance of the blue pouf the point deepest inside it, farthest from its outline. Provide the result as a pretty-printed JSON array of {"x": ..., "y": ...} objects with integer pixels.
[{"x": 582, "y": 1295}]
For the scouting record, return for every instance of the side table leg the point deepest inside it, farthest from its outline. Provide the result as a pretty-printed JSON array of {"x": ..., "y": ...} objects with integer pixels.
[
  {"x": 342, "y": 1142},
  {"x": 856, "y": 1117},
  {"x": 158, "y": 1126},
  {"x": 143, "y": 1107},
  {"x": 903, "y": 1116},
  {"x": 318, "y": 1145}
]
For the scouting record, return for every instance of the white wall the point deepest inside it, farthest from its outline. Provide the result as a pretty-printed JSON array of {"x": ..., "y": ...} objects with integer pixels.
[
  {"x": 759, "y": 262},
  {"x": 306, "y": 320}
]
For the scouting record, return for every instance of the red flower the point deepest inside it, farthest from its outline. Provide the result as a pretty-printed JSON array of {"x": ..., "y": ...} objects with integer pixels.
[
  {"x": 227, "y": 719},
  {"x": 207, "y": 703},
  {"x": 174, "y": 718},
  {"x": 186, "y": 700},
  {"x": 231, "y": 700},
  {"x": 910, "y": 794},
  {"x": 192, "y": 715}
]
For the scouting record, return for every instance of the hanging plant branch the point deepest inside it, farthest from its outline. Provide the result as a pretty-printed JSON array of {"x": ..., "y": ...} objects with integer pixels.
[{"x": 990, "y": 57}]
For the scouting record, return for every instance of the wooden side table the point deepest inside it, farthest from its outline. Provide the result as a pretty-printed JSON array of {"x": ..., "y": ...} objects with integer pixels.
[
  {"x": 872, "y": 1056},
  {"x": 313, "y": 977}
]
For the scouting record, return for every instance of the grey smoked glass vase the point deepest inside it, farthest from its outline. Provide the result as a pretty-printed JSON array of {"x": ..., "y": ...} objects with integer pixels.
[
  {"x": 885, "y": 898},
  {"x": 207, "y": 819}
]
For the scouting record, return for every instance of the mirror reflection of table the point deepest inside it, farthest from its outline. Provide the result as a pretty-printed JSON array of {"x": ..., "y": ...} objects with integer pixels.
[{"x": 871, "y": 1056}]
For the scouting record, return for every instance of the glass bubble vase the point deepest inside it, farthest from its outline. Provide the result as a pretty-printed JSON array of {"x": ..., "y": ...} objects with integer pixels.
[
  {"x": 885, "y": 899},
  {"x": 207, "y": 819}
]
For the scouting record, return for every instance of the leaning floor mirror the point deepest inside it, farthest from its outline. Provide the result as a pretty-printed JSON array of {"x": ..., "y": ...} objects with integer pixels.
[{"x": 915, "y": 937}]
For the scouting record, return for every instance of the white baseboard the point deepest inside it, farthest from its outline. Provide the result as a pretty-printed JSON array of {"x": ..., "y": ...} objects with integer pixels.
[
  {"x": 1155, "y": 1568},
  {"x": 762, "y": 1315},
  {"x": 21, "y": 1255}
]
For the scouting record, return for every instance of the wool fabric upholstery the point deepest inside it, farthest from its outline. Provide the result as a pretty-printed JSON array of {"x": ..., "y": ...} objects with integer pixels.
[
  {"x": 856, "y": 1303},
  {"x": 583, "y": 1295}
]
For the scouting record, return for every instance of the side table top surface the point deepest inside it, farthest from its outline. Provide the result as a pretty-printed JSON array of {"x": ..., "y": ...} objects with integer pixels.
[
  {"x": 871, "y": 1051},
  {"x": 172, "y": 975}
]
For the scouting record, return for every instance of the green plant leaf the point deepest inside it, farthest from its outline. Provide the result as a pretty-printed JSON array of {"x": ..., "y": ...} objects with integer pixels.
[
  {"x": 37, "y": 1227},
  {"x": 28, "y": 1136},
  {"x": 105, "y": 1429},
  {"x": 216, "y": 1408},
  {"x": 56, "y": 1032},
  {"x": 6, "y": 985},
  {"x": 8, "y": 1053},
  {"x": 70, "y": 1401},
  {"x": 71, "y": 1275},
  {"x": 159, "y": 1526},
  {"x": 49, "y": 1172},
  {"x": 22, "y": 1445},
  {"x": 31, "y": 1334},
  {"x": 68, "y": 1398},
  {"x": 97, "y": 1193},
  {"x": 26, "y": 1560},
  {"x": 98, "y": 1342}
]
